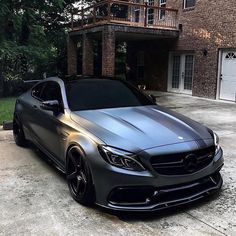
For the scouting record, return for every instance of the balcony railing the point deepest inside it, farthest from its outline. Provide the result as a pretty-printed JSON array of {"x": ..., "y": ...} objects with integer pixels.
[{"x": 124, "y": 13}]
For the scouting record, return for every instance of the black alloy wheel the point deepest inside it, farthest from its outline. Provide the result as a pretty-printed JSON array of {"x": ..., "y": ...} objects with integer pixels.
[{"x": 79, "y": 177}]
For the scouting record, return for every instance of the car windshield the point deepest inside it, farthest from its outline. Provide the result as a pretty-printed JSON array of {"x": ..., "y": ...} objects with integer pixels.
[{"x": 90, "y": 94}]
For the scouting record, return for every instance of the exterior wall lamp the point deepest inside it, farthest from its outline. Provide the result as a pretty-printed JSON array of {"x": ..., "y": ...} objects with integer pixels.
[{"x": 205, "y": 52}]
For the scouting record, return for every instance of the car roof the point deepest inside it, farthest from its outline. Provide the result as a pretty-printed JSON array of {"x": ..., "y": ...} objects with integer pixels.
[
  {"x": 77, "y": 79},
  {"x": 87, "y": 79},
  {"x": 71, "y": 79}
]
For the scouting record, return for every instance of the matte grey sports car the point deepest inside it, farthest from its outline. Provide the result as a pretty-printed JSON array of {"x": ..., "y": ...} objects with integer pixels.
[{"x": 117, "y": 147}]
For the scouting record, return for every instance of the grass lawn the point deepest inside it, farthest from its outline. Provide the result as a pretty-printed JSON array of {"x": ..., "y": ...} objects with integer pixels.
[{"x": 7, "y": 106}]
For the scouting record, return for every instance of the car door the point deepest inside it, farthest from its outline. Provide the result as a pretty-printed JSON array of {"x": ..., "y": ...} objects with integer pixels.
[
  {"x": 30, "y": 114},
  {"x": 50, "y": 122}
]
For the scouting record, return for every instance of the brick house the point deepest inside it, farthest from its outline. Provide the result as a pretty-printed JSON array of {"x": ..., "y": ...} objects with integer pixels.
[{"x": 183, "y": 46}]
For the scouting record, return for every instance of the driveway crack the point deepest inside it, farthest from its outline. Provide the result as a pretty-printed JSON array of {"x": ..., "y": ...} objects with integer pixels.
[{"x": 205, "y": 223}]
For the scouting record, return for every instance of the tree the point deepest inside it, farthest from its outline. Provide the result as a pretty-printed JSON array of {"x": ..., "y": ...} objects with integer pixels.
[{"x": 33, "y": 37}]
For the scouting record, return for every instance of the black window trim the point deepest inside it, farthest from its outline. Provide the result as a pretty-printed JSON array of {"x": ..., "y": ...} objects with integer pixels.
[{"x": 44, "y": 83}]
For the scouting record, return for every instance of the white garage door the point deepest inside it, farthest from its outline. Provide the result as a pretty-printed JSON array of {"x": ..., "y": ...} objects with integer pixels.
[{"x": 228, "y": 76}]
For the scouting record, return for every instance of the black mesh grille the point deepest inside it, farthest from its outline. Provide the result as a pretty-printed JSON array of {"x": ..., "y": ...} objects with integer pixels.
[{"x": 183, "y": 163}]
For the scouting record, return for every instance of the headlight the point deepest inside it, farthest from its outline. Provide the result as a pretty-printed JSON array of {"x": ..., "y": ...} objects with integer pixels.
[
  {"x": 120, "y": 158},
  {"x": 217, "y": 143}
]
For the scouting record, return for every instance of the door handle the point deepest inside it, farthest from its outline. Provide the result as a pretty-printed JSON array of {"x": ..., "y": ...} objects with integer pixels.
[{"x": 35, "y": 107}]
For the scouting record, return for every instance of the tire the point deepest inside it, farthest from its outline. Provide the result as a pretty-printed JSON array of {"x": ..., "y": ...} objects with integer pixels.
[
  {"x": 18, "y": 134},
  {"x": 79, "y": 177}
]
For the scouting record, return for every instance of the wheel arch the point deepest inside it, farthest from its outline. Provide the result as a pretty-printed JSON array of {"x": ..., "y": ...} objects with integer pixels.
[
  {"x": 86, "y": 145},
  {"x": 83, "y": 153}
]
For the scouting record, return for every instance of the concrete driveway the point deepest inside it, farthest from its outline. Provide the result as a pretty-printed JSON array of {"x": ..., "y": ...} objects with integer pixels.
[{"x": 34, "y": 198}]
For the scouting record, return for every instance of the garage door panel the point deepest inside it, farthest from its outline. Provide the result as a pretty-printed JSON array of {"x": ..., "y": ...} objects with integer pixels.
[
  {"x": 229, "y": 91},
  {"x": 230, "y": 79}
]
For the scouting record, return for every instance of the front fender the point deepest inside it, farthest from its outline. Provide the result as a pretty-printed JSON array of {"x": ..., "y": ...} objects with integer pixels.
[{"x": 86, "y": 144}]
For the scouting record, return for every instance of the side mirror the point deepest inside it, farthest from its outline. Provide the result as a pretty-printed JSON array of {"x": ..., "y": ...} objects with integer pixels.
[
  {"x": 52, "y": 105},
  {"x": 153, "y": 98}
]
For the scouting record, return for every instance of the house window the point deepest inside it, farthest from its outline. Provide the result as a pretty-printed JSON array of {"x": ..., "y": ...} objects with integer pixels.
[
  {"x": 162, "y": 13},
  {"x": 189, "y": 3},
  {"x": 150, "y": 12},
  {"x": 188, "y": 73},
  {"x": 176, "y": 71},
  {"x": 137, "y": 13}
]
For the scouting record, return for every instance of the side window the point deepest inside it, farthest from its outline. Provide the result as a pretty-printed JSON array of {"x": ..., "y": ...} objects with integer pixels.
[
  {"x": 37, "y": 90},
  {"x": 189, "y": 3},
  {"x": 51, "y": 91}
]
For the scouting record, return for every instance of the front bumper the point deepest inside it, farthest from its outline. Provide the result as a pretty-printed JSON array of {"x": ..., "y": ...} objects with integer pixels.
[
  {"x": 154, "y": 199},
  {"x": 125, "y": 190}
]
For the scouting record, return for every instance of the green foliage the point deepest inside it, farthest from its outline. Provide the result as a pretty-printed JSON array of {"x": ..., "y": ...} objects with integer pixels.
[
  {"x": 6, "y": 109},
  {"x": 33, "y": 37}
]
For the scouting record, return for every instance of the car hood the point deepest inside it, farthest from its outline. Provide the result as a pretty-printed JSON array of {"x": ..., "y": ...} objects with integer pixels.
[{"x": 140, "y": 128}]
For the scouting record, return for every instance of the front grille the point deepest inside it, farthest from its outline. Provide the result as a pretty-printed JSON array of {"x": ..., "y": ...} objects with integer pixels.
[{"x": 183, "y": 163}]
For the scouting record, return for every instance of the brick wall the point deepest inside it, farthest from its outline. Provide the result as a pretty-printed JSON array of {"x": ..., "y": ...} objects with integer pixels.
[
  {"x": 88, "y": 56},
  {"x": 209, "y": 25},
  {"x": 108, "y": 52},
  {"x": 71, "y": 56}
]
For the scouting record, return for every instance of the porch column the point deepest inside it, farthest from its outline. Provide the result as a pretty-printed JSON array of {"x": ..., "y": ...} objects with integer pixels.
[
  {"x": 108, "y": 53},
  {"x": 71, "y": 56},
  {"x": 88, "y": 55}
]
